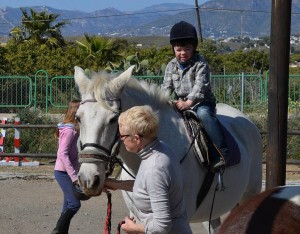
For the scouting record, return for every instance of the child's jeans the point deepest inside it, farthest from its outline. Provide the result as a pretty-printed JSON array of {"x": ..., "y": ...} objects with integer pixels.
[{"x": 65, "y": 182}]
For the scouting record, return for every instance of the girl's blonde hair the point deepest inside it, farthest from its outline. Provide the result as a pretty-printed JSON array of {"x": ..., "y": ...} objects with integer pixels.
[{"x": 70, "y": 115}]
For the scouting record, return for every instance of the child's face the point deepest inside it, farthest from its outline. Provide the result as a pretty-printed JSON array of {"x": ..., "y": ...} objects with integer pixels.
[{"x": 183, "y": 53}]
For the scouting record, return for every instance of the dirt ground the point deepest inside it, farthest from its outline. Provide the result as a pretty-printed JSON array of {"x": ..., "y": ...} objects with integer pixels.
[{"x": 30, "y": 203}]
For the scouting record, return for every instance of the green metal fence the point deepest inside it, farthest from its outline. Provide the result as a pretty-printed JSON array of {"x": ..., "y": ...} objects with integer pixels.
[
  {"x": 15, "y": 92},
  {"x": 294, "y": 91},
  {"x": 243, "y": 91},
  {"x": 62, "y": 90}
]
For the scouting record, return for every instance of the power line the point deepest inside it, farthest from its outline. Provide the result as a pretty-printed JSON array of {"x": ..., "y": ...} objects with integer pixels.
[
  {"x": 155, "y": 12},
  {"x": 113, "y": 15}
]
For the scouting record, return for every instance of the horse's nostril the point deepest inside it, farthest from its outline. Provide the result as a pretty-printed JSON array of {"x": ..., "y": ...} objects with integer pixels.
[{"x": 97, "y": 179}]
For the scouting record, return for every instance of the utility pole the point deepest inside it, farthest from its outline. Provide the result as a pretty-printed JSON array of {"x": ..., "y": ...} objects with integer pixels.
[
  {"x": 241, "y": 26},
  {"x": 199, "y": 22},
  {"x": 278, "y": 93}
]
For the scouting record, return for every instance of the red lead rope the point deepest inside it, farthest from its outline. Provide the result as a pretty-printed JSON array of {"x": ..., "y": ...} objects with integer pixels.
[{"x": 107, "y": 226}]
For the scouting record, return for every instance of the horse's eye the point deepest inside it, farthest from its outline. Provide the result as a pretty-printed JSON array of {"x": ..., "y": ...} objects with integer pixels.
[{"x": 77, "y": 118}]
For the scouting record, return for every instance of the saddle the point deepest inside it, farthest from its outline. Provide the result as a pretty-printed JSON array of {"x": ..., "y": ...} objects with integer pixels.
[
  {"x": 199, "y": 138},
  {"x": 202, "y": 144}
]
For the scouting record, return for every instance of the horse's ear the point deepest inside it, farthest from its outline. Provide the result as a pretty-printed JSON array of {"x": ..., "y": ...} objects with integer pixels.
[
  {"x": 118, "y": 83},
  {"x": 81, "y": 79},
  {"x": 127, "y": 74}
]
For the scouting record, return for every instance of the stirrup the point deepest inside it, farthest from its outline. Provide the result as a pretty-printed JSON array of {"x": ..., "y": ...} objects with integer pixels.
[{"x": 221, "y": 187}]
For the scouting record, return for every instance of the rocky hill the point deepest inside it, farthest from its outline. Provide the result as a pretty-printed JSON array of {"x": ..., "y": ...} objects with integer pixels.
[{"x": 219, "y": 19}]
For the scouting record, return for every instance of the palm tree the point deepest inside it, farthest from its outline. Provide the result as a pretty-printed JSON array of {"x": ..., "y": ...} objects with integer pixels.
[
  {"x": 40, "y": 27},
  {"x": 99, "y": 50},
  {"x": 17, "y": 34}
]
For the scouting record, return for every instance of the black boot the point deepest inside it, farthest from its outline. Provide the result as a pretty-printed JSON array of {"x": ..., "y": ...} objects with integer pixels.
[
  {"x": 217, "y": 163},
  {"x": 63, "y": 223}
]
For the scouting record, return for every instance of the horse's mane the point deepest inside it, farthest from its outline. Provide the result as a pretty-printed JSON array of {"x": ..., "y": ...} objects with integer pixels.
[
  {"x": 103, "y": 88},
  {"x": 152, "y": 91}
]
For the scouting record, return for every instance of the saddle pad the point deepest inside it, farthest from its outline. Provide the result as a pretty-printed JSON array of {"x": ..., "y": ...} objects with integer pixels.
[{"x": 234, "y": 154}]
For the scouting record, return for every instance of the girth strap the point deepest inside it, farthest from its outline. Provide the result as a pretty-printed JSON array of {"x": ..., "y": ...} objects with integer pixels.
[{"x": 208, "y": 180}]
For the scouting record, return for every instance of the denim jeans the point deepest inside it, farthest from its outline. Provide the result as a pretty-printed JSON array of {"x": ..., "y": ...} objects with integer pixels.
[
  {"x": 206, "y": 114},
  {"x": 66, "y": 185}
]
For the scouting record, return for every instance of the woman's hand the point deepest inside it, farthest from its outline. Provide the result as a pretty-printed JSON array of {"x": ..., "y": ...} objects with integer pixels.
[{"x": 130, "y": 227}]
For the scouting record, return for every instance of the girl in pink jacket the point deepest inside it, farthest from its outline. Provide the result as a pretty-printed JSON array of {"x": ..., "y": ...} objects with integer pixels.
[{"x": 67, "y": 166}]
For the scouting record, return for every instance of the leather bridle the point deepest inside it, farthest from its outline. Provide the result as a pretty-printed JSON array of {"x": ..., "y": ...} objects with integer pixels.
[{"x": 108, "y": 156}]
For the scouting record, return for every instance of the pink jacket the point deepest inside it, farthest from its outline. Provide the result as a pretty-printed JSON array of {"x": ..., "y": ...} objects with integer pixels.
[{"x": 67, "y": 153}]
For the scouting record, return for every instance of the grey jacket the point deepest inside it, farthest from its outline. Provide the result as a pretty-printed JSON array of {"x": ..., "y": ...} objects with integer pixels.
[{"x": 158, "y": 191}]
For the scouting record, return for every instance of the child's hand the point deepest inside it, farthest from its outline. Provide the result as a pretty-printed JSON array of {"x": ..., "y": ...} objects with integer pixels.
[{"x": 184, "y": 105}]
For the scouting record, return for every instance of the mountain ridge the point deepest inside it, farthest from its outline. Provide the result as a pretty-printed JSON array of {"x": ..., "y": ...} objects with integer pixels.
[{"x": 219, "y": 19}]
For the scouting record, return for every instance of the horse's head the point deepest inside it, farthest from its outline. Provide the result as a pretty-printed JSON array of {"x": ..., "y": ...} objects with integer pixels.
[{"x": 98, "y": 120}]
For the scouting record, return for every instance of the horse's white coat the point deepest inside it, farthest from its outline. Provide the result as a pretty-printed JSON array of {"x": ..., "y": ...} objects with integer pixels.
[{"x": 97, "y": 126}]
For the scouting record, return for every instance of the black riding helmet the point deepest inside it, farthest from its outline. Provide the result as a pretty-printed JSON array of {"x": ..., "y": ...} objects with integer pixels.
[{"x": 183, "y": 31}]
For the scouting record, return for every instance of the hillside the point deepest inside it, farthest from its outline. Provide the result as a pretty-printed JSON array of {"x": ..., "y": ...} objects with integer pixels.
[{"x": 219, "y": 19}]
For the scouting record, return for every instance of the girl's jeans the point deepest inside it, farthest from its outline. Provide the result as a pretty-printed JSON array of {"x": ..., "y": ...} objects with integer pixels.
[{"x": 65, "y": 182}]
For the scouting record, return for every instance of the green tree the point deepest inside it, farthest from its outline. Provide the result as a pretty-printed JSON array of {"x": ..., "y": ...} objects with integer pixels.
[
  {"x": 40, "y": 28},
  {"x": 252, "y": 61},
  {"x": 158, "y": 59},
  {"x": 28, "y": 58},
  {"x": 209, "y": 50},
  {"x": 17, "y": 34},
  {"x": 3, "y": 62},
  {"x": 98, "y": 51}
]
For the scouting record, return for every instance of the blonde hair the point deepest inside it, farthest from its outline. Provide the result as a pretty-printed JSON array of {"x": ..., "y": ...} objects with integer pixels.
[
  {"x": 70, "y": 115},
  {"x": 140, "y": 120}
]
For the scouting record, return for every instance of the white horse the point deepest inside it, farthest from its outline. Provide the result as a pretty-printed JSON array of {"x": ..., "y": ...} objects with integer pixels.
[{"x": 104, "y": 97}]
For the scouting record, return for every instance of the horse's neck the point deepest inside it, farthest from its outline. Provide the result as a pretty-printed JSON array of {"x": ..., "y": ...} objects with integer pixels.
[
  {"x": 171, "y": 127},
  {"x": 133, "y": 97},
  {"x": 172, "y": 131},
  {"x": 131, "y": 160}
]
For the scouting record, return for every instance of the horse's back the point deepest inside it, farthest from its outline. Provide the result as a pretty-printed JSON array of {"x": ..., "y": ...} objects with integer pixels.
[
  {"x": 249, "y": 140},
  {"x": 241, "y": 180},
  {"x": 273, "y": 211}
]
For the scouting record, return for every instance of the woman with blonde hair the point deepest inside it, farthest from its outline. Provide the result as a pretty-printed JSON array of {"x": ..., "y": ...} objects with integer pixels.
[
  {"x": 67, "y": 166},
  {"x": 158, "y": 186}
]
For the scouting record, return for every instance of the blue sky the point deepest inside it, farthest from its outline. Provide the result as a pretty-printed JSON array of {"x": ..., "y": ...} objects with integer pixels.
[{"x": 92, "y": 5}]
